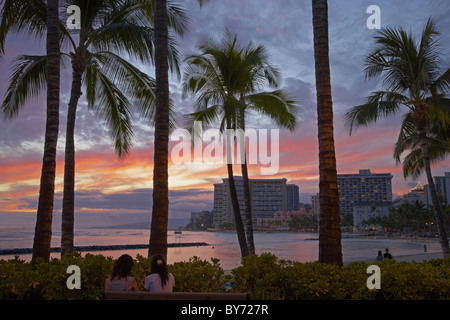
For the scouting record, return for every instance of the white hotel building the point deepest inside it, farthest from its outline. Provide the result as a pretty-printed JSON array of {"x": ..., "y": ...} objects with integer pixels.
[
  {"x": 363, "y": 192},
  {"x": 267, "y": 197}
]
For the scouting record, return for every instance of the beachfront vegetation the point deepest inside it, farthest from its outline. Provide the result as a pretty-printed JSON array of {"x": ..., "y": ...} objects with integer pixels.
[
  {"x": 412, "y": 218},
  {"x": 411, "y": 71},
  {"x": 263, "y": 276}
]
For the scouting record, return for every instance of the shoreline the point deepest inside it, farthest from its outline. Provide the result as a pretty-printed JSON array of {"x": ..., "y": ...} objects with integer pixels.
[
  {"x": 418, "y": 257},
  {"x": 18, "y": 251}
]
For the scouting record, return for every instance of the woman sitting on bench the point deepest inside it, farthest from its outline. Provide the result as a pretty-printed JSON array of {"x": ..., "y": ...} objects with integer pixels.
[
  {"x": 121, "y": 279},
  {"x": 159, "y": 280}
]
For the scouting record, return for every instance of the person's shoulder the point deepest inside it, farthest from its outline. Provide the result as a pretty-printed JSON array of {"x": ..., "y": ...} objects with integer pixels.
[
  {"x": 151, "y": 276},
  {"x": 131, "y": 279}
]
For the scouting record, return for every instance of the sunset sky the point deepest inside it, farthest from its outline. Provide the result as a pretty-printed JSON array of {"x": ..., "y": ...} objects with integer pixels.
[{"x": 110, "y": 191}]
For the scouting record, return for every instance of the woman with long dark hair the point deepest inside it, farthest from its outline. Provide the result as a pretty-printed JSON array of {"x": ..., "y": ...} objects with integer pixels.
[
  {"x": 159, "y": 280},
  {"x": 121, "y": 279}
]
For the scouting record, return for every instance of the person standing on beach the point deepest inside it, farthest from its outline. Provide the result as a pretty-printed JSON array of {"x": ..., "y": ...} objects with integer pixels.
[
  {"x": 121, "y": 279},
  {"x": 380, "y": 256},
  {"x": 387, "y": 255},
  {"x": 159, "y": 280}
]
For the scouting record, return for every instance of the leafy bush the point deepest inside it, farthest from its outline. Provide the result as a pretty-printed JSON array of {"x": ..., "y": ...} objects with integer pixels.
[
  {"x": 198, "y": 275},
  {"x": 264, "y": 276},
  {"x": 21, "y": 280}
]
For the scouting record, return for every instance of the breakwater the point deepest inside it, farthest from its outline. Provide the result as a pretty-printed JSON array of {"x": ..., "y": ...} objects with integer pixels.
[{"x": 102, "y": 248}]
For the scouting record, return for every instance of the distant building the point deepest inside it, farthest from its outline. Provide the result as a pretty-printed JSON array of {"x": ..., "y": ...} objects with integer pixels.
[
  {"x": 363, "y": 187},
  {"x": 442, "y": 184},
  {"x": 220, "y": 212},
  {"x": 201, "y": 220},
  {"x": 416, "y": 194},
  {"x": 279, "y": 220},
  {"x": 292, "y": 197},
  {"x": 363, "y": 211},
  {"x": 267, "y": 197}
]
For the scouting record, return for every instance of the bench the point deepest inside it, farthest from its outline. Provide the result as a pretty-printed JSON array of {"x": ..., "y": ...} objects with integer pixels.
[{"x": 144, "y": 295}]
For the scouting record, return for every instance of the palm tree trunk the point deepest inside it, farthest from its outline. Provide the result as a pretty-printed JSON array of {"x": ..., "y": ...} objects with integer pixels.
[
  {"x": 434, "y": 197},
  {"x": 43, "y": 229},
  {"x": 68, "y": 208},
  {"x": 240, "y": 230},
  {"x": 246, "y": 183},
  {"x": 330, "y": 250},
  {"x": 160, "y": 210},
  {"x": 248, "y": 207}
]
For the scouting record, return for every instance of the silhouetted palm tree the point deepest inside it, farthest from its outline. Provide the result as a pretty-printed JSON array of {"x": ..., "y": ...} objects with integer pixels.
[
  {"x": 160, "y": 209},
  {"x": 330, "y": 250},
  {"x": 227, "y": 79},
  {"x": 111, "y": 81},
  {"x": 9, "y": 15},
  {"x": 412, "y": 74}
]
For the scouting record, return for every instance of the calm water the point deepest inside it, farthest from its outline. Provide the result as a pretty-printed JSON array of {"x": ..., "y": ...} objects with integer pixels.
[{"x": 301, "y": 247}]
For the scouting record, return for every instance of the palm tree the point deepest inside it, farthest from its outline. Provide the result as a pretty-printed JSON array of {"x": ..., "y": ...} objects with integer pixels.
[
  {"x": 160, "y": 208},
  {"x": 330, "y": 250},
  {"x": 9, "y": 14},
  {"x": 106, "y": 27},
  {"x": 412, "y": 73},
  {"x": 227, "y": 78},
  {"x": 42, "y": 238}
]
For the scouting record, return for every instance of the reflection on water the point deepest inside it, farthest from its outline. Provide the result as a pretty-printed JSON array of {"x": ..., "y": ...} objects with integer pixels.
[{"x": 302, "y": 247}]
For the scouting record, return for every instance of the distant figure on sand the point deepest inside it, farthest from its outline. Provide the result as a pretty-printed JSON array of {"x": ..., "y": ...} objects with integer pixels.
[
  {"x": 380, "y": 256},
  {"x": 159, "y": 280},
  {"x": 121, "y": 279},
  {"x": 387, "y": 255}
]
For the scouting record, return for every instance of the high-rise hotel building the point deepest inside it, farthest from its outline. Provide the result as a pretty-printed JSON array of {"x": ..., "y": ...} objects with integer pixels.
[
  {"x": 267, "y": 197},
  {"x": 364, "y": 187}
]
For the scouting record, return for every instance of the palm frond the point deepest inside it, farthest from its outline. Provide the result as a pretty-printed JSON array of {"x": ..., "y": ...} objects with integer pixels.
[
  {"x": 380, "y": 104},
  {"x": 112, "y": 105},
  {"x": 22, "y": 15},
  {"x": 437, "y": 142},
  {"x": 28, "y": 79},
  {"x": 278, "y": 105}
]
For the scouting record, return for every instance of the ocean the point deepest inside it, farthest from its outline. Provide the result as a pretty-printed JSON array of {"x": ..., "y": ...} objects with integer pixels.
[{"x": 302, "y": 247}]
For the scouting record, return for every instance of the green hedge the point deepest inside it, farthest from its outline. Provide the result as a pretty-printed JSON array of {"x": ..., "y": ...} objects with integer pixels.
[{"x": 264, "y": 276}]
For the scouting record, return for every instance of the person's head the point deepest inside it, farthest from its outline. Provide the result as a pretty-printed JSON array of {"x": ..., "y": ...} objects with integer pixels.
[
  {"x": 379, "y": 252},
  {"x": 122, "y": 267},
  {"x": 159, "y": 267},
  {"x": 387, "y": 250}
]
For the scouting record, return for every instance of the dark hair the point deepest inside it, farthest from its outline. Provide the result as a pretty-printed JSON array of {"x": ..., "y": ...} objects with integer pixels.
[
  {"x": 122, "y": 267},
  {"x": 159, "y": 267}
]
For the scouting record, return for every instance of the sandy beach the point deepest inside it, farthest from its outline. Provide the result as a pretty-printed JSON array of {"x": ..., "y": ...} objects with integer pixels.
[{"x": 420, "y": 257}]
